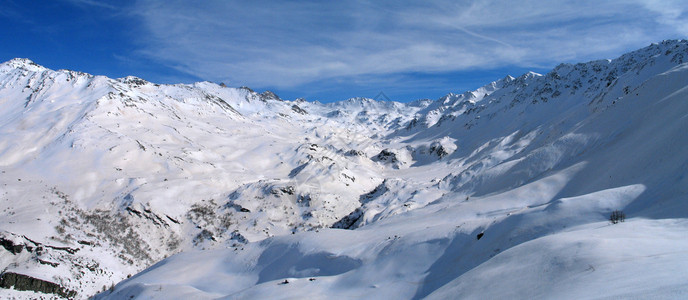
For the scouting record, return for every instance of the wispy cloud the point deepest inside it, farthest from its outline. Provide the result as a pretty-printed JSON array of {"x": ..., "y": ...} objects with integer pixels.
[
  {"x": 672, "y": 13},
  {"x": 10, "y": 11},
  {"x": 93, "y": 3},
  {"x": 287, "y": 43}
]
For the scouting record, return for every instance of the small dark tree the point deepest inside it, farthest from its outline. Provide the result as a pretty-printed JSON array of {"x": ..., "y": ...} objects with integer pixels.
[{"x": 617, "y": 216}]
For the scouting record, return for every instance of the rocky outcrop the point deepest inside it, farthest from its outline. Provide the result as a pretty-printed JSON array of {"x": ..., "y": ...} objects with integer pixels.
[
  {"x": 10, "y": 246},
  {"x": 386, "y": 156},
  {"x": 23, "y": 282},
  {"x": 269, "y": 95},
  {"x": 298, "y": 109},
  {"x": 348, "y": 221}
]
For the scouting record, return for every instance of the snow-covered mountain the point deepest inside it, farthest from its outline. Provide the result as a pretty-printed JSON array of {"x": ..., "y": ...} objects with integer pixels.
[{"x": 501, "y": 192}]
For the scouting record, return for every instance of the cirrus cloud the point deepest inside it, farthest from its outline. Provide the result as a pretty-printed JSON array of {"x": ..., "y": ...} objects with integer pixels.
[{"x": 286, "y": 44}]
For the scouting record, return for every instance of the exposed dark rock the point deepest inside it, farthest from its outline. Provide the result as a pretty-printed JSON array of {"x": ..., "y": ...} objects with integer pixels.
[
  {"x": 352, "y": 178},
  {"x": 247, "y": 88},
  {"x": 304, "y": 200},
  {"x": 268, "y": 95},
  {"x": 141, "y": 146},
  {"x": 133, "y": 211},
  {"x": 86, "y": 243},
  {"x": 351, "y": 220},
  {"x": 39, "y": 245},
  {"x": 386, "y": 156},
  {"x": 412, "y": 123},
  {"x": 172, "y": 219},
  {"x": 148, "y": 214},
  {"x": 238, "y": 237},
  {"x": 353, "y": 152},
  {"x": 202, "y": 236},
  {"x": 134, "y": 81},
  {"x": 10, "y": 246},
  {"x": 297, "y": 170},
  {"x": 289, "y": 190},
  {"x": 348, "y": 221},
  {"x": 298, "y": 109},
  {"x": 27, "y": 283},
  {"x": 480, "y": 235},
  {"x": 237, "y": 207},
  {"x": 222, "y": 103},
  {"x": 378, "y": 191},
  {"x": 49, "y": 263},
  {"x": 439, "y": 151}
]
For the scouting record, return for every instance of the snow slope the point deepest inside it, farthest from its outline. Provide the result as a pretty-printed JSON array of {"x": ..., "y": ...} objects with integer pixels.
[
  {"x": 125, "y": 173},
  {"x": 129, "y": 172}
]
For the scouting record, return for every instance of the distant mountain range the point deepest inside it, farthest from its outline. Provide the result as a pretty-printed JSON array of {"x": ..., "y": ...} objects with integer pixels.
[{"x": 206, "y": 191}]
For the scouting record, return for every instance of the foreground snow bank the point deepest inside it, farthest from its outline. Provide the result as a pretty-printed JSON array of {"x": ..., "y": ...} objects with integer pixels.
[
  {"x": 633, "y": 260},
  {"x": 529, "y": 247}
]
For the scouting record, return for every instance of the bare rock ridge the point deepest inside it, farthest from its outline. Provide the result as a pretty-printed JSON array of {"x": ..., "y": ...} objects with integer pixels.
[{"x": 22, "y": 282}]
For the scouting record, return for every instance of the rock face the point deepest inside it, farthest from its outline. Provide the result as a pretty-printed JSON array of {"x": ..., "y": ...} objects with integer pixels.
[
  {"x": 386, "y": 156},
  {"x": 27, "y": 283},
  {"x": 349, "y": 220},
  {"x": 298, "y": 109},
  {"x": 10, "y": 246},
  {"x": 269, "y": 95}
]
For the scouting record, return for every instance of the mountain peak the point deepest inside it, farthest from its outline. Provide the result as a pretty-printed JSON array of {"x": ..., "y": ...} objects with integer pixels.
[
  {"x": 23, "y": 63},
  {"x": 133, "y": 80},
  {"x": 530, "y": 74},
  {"x": 269, "y": 95}
]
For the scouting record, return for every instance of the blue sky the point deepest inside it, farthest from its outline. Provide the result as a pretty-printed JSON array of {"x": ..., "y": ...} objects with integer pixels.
[{"x": 331, "y": 50}]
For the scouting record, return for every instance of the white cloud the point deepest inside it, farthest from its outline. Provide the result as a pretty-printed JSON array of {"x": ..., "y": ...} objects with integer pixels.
[
  {"x": 672, "y": 13},
  {"x": 93, "y": 3},
  {"x": 286, "y": 44}
]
